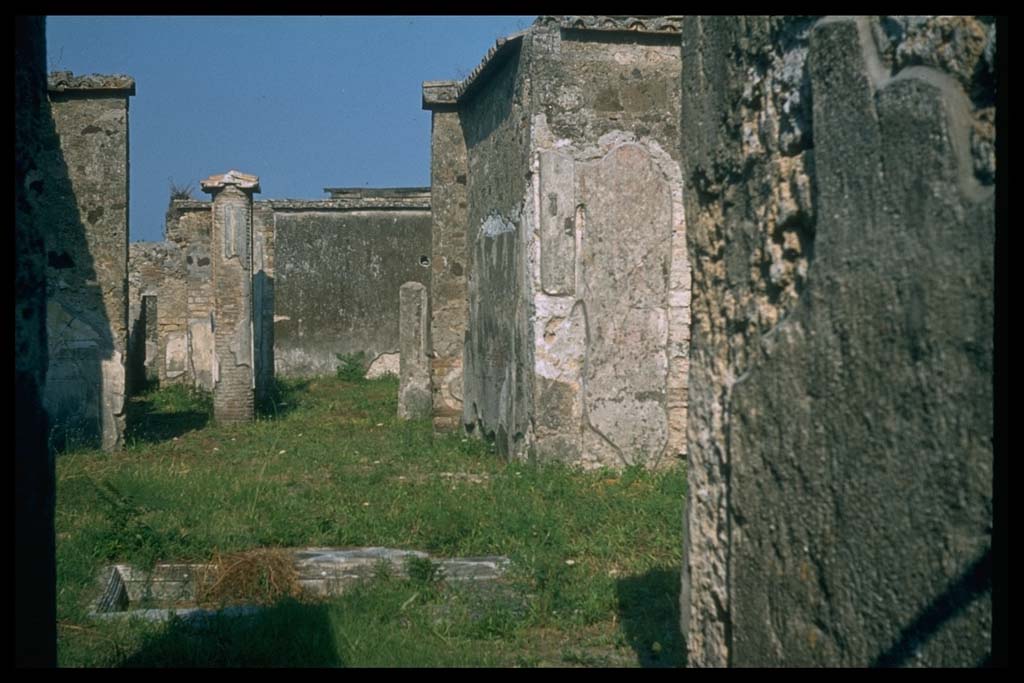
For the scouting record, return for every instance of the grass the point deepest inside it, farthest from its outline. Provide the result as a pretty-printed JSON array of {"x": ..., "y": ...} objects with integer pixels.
[{"x": 595, "y": 555}]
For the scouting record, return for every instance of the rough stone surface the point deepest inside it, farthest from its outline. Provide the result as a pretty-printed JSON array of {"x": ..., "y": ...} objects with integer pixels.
[
  {"x": 384, "y": 364},
  {"x": 841, "y": 232},
  {"x": 449, "y": 305},
  {"x": 35, "y": 141},
  {"x": 231, "y": 257},
  {"x": 158, "y": 346},
  {"x": 579, "y": 283},
  {"x": 319, "y": 572},
  {"x": 337, "y": 271},
  {"x": 87, "y": 259},
  {"x": 414, "y": 397},
  {"x": 263, "y": 296},
  {"x": 188, "y": 226},
  {"x": 329, "y": 302}
]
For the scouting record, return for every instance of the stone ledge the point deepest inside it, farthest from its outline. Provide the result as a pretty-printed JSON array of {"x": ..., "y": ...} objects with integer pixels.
[
  {"x": 67, "y": 81},
  {"x": 244, "y": 181},
  {"x": 437, "y": 94},
  {"x": 660, "y": 24},
  {"x": 494, "y": 57}
]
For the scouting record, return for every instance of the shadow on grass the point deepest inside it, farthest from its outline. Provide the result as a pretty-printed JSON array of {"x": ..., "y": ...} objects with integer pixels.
[
  {"x": 148, "y": 423},
  {"x": 289, "y": 634},
  {"x": 648, "y": 608},
  {"x": 281, "y": 397}
]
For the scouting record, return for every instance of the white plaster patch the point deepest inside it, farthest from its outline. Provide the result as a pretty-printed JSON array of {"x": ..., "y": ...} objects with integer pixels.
[
  {"x": 495, "y": 224},
  {"x": 384, "y": 364},
  {"x": 176, "y": 354}
]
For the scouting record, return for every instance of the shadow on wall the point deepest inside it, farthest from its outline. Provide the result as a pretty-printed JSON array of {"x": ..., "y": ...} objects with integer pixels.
[
  {"x": 289, "y": 634},
  {"x": 78, "y": 331},
  {"x": 648, "y": 606},
  {"x": 263, "y": 318},
  {"x": 974, "y": 583},
  {"x": 138, "y": 335}
]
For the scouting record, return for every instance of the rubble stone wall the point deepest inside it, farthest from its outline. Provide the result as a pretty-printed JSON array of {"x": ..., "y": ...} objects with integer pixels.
[{"x": 158, "y": 349}]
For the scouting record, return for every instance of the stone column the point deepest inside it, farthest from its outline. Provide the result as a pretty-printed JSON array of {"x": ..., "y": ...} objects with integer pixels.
[
  {"x": 449, "y": 307},
  {"x": 414, "y": 402},
  {"x": 231, "y": 257}
]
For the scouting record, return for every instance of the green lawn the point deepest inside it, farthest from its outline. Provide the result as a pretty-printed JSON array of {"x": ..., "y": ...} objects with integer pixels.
[{"x": 595, "y": 555}]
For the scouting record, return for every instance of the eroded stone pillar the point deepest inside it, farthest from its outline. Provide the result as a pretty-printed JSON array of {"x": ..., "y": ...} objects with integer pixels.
[
  {"x": 449, "y": 307},
  {"x": 842, "y": 233},
  {"x": 231, "y": 256},
  {"x": 414, "y": 400},
  {"x": 86, "y": 169}
]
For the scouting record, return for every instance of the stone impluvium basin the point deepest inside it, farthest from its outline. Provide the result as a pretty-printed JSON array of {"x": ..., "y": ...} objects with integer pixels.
[{"x": 178, "y": 589}]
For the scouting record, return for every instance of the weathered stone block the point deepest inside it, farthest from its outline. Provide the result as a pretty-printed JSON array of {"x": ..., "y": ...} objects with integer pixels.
[
  {"x": 557, "y": 223},
  {"x": 852, "y": 527},
  {"x": 414, "y": 397}
]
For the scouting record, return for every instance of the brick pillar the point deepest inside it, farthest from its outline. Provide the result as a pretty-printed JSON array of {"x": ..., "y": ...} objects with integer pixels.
[
  {"x": 231, "y": 260},
  {"x": 449, "y": 307}
]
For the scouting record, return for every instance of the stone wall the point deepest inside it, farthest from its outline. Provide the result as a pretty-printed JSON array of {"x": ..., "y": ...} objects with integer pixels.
[
  {"x": 339, "y": 258},
  {"x": 188, "y": 226},
  {"x": 337, "y": 267},
  {"x": 87, "y": 258},
  {"x": 498, "y": 353},
  {"x": 158, "y": 348},
  {"x": 449, "y": 306},
  {"x": 838, "y": 188},
  {"x": 35, "y": 145},
  {"x": 579, "y": 284}
]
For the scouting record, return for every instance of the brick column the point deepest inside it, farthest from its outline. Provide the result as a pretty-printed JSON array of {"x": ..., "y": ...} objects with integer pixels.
[
  {"x": 231, "y": 260},
  {"x": 449, "y": 307}
]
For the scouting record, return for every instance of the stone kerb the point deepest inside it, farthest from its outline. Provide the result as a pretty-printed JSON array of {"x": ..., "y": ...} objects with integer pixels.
[{"x": 231, "y": 252}]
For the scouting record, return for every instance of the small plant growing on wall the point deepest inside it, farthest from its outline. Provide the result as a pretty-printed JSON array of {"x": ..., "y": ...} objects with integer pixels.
[
  {"x": 352, "y": 366},
  {"x": 181, "y": 191}
]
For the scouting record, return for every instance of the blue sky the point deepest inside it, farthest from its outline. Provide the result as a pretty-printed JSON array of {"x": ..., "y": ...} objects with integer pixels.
[{"x": 303, "y": 102}]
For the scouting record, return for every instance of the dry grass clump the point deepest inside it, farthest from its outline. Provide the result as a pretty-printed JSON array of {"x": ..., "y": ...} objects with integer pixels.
[{"x": 261, "y": 576}]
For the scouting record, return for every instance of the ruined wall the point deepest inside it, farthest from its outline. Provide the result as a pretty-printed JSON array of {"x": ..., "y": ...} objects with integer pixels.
[
  {"x": 340, "y": 256},
  {"x": 337, "y": 267},
  {"x": 158, "y": 348},
  {"x": 579, "y": 282},
  {"x": 35, "y": 141},
  {"x": 498, "y": 354},
  {"x": 87, "y": 254},
  {"x": 841, "y": 230},
  {"x": 449, "y": 305}
]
